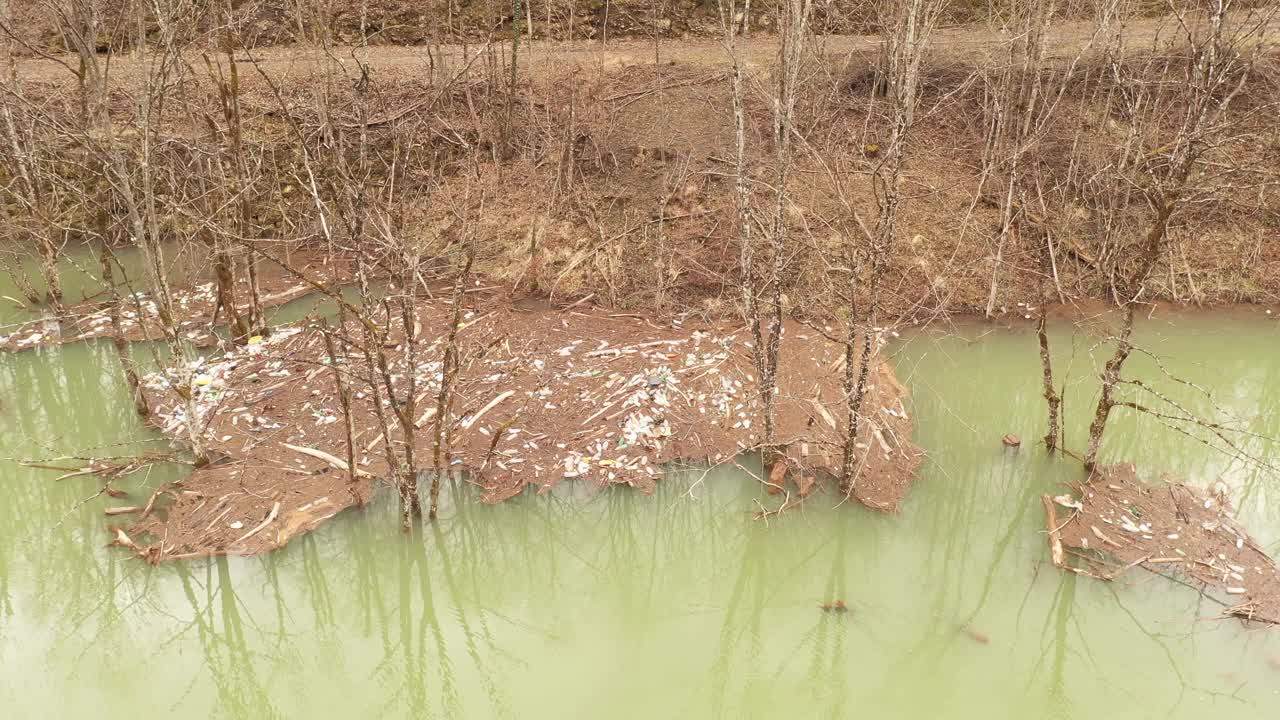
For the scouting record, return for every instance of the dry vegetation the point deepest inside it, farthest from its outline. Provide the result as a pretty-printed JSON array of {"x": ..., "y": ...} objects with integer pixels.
[
  {"x": 610, "y": 171},
  {"x": 416, "y": 22}
]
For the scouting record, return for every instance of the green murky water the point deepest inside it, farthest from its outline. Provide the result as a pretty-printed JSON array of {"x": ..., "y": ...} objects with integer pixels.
[
  {"x": 80, "y": 274},
  {"x": 677, "y": 605}
]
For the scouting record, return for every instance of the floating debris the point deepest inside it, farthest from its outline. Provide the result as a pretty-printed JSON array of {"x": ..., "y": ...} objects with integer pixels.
[{"x": 1165, "y": 528}]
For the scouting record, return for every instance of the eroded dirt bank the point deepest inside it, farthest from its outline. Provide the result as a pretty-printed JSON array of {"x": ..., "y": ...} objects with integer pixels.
[{"x": 542, "y": 396}]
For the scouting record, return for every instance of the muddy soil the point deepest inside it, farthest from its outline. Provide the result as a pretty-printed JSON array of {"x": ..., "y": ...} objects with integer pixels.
[
  {"x": 1116, "y": 523},
  {"x": 542, "y": 397}
]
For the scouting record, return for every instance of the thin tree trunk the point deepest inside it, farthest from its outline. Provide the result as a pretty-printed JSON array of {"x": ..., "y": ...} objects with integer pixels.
[
  {"x": 224, "y": 281},
  {"x": 1051, "y": 397},
  {"x": 1110, "y": 378},
  {"x": 344, "y": 399},
  {"x": 49, "y": 265},
  {"x": 106, "y": 258},
  {"x": 1131, "y": 291},
  {"x": 449, "y": 370},
  {"x": 904, "y": 42}
]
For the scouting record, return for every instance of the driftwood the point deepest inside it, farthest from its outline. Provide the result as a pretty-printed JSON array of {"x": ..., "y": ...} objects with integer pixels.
[
  {"x": 466, "y": 424},
  {"x": 1055, "y": 539},
  {"x": 332, "y": 460},
  {"x": 275, "y": 512}
]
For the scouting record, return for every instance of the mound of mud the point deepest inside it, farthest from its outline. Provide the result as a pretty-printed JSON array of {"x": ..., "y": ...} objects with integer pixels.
[
  {"x": 1117, "y": 522},
  {"x": 541, "y": 397}
]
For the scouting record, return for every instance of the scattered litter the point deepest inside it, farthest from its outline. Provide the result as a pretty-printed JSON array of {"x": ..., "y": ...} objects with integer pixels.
[
  {"x": 537, "y": 399},
  {"x": 1172, "y": 526}
]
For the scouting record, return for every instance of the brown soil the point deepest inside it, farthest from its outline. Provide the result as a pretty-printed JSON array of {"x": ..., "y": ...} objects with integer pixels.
[
  {"x": 1117, "y": 522},
  {"x": 542, "y": 396}
]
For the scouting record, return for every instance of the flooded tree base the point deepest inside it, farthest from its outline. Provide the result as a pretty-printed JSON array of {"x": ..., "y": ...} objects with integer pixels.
[
  {"x": 539, "y": 397},
  {"x": 1117, "y": 523}
]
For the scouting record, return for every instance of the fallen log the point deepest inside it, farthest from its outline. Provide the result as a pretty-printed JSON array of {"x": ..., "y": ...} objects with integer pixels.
[{"x": 1055, "y": 540}]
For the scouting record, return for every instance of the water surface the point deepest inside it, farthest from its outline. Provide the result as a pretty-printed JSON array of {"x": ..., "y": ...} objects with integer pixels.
[{"x": 575, "y": 604}]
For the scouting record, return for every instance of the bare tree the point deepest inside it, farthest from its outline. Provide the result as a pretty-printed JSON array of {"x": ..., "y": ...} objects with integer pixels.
[
  {"x": 1021, "y": 96},
  {"x": 762, "y": 283},
  {"x": 1168, "y": 156},
  {"x": 231, "y": 167},
  {"x": 127, "y": 162},
  {"x": 450, "y": 367},
  {"x": 793, "y": 25},
  {"x": 906, "y": 27},
  {"x": 20, "y": 162}
]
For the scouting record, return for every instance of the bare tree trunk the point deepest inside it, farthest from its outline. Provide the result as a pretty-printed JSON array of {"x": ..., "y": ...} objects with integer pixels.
[
  {"x": 106, "y": 258},
  {"x": 1110, "y": 378},
  {"x": 1017, "y": 106},
  {"x": 52, "y": 278},
  {"x": 794, "y": 24},
  {"x": 906, "y": 31},
  {"x": 406, "y": 411},
  {"x": 507, "y": 126},
  {"x": 238, "y": 190},
  {"x": 742, "y": 186},
  {"x": 1131, "y": 292},
  {"x": 344, "y": 399},
  {"x": 28, "y": 187},
  {"x": 450, "y": 366},
  {"x": 766, "y": 345},
  {"x": 1051, "y": 397}
]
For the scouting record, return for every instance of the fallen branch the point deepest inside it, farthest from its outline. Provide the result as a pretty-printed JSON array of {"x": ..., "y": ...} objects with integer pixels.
[
  {"x": 1055, "y": 539},
  {"x": 332, "y": 460},
  {"x": 466, "y": 424},
  {"x": 275, "y": 511}
]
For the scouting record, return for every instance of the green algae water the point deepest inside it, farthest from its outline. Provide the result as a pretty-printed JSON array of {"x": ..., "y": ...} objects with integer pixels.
[
  {"x": 80, "y": 276},
  {"x": 682, "y": 604}
]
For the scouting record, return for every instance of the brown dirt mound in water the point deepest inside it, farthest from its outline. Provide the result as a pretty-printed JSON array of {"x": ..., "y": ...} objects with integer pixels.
[
  {"x": 541, "y": 396},
  {"x": 1118, "y": 522}
]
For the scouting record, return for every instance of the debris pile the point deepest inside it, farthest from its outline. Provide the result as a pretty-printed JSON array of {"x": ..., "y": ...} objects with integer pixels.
[
  {"x": 539, "y": 397},
  {"x": 1116, "y": 523}
]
